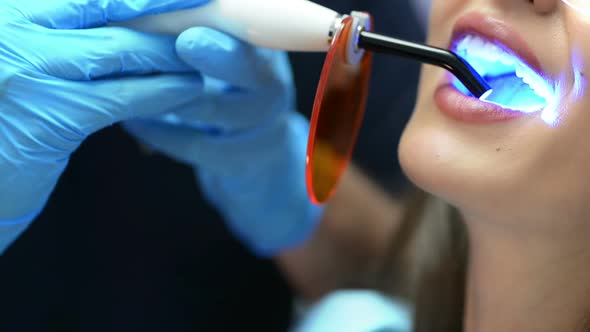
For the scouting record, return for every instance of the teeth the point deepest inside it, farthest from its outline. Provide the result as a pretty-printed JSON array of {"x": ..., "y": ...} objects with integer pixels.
[
  {"x": 478, "y": 43},
  {"x": 492, "y": 52},
  {"x": 479, "y": 67},
  {"x": 505, "y": 59},
  {"x": 533, "y": 80},
  {"x": 527, "y": 80},
  {"x": 542, "y": 90},
  {"x": 523, "y": 71},
  {"x": 464, "y": 44},
  {"x": 476, "y": 48}
]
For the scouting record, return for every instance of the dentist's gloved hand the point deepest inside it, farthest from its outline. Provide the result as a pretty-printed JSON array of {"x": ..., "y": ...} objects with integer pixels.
[
  {"x": 243, "y": 138},
  {"x": 60, "y": 81}
]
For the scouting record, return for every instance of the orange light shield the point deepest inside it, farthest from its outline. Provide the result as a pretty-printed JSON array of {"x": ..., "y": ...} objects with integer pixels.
[{"x": 338, "y": 109}]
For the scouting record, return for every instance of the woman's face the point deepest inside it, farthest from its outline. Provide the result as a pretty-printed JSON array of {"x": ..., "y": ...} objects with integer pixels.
[{"x": 493, "y": 163}]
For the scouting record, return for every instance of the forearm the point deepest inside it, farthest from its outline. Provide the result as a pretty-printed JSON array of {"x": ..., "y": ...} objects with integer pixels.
[{"x": 350, "y": 241}]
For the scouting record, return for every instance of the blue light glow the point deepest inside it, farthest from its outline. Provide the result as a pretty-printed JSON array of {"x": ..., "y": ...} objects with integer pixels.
[
  {"x": 486, "y": 95},
  {"x": 556, "y": 109},
  {"x": 519, "y": 89},
  {"x": 581, "y": 6}
]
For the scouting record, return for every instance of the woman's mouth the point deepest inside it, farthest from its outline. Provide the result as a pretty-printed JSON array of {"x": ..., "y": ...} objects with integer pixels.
[{"x": 502, "y": 57}]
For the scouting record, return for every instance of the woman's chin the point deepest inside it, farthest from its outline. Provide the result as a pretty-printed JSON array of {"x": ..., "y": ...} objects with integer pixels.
[
  {"x": 426, "y": 157},
  {"x": 470, "y": 169},
  {"x": 488, "y": 172}
]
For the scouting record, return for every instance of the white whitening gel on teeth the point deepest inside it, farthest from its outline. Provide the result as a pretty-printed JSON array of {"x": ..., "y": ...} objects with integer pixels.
[
  {"x": 290, "y": 25},
  {"x": 515, "y": 85}
]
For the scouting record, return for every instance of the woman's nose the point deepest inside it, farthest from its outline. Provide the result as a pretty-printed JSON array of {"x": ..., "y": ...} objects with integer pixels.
[{"x": 544, "y": 6}]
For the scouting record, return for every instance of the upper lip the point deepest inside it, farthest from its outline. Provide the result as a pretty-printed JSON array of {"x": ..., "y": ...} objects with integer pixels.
[{"x": 502, "y": 33}]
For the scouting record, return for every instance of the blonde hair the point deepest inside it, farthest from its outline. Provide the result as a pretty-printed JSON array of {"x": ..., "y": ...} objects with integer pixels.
[{"x": 427, "y": 264}]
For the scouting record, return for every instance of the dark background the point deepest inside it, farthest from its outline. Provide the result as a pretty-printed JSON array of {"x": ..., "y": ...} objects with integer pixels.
[{"x": 126, "y": 242}]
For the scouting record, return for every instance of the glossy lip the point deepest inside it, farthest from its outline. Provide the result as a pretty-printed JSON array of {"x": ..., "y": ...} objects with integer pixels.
[
  {"x": 468, "y": 109},
  {"x": 495, "y": 30}
]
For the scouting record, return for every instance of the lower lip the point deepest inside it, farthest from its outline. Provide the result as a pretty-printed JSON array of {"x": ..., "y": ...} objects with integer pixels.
[{"x": 462, "y": 108}]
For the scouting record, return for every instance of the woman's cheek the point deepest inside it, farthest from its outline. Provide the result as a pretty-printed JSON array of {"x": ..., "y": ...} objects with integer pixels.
[
  {"x": 442, "y": 10},
  {"x": 420, "y": 154}
]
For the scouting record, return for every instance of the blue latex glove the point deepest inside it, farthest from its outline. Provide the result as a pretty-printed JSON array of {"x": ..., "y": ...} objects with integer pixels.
[
  {"x": 244, "y": 140},
  {"x": 58, "y": 85}
]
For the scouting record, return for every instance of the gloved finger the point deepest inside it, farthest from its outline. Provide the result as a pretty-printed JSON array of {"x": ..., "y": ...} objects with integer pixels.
[
  {"x": 227, "y": 111},
  {"x": 85, "y": 107},
  {"x": 218, "y": 55},
  {"x": 179, "y": 142},
  {"x": 105, "y": 52},
  {"x": 11, "y": 230},
  {"x": 78, "y": 14},
  {"x": 224, "y": 155}
]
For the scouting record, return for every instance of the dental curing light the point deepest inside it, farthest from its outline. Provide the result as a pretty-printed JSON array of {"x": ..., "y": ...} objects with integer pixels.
[
  {"x": 290, "y": 25},
  {"x": 448, "y": 60},
  {"x": 302, "y": 26}
]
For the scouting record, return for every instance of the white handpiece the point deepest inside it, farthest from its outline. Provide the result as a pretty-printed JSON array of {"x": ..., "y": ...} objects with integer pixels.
[{"x": 290, "y": 25}]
